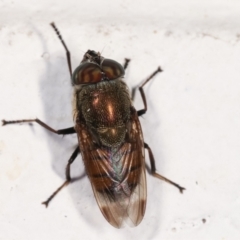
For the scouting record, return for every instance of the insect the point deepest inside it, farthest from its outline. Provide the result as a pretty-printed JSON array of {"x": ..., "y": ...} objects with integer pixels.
[{"x": 109, "y": 136}]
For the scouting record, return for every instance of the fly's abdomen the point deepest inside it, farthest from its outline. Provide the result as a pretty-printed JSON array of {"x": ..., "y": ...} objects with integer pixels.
[{"x": 114, "y": 170}]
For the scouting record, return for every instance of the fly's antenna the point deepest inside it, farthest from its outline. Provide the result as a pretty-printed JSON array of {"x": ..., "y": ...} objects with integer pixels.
[
  {"x": 102, "y": 49},
  {"x": 65, "y": 46}
]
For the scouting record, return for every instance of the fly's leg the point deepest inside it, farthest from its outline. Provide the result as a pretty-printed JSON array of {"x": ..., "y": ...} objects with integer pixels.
[
  {"x": 68, "y": 177},
  {"x": 153, "y": 169},
  {"x": 152, "y": 160},
  {"x": 65, "y": 46},
  {"x": 65, "y": 131},
  {"x": 143, "y": 111},
  {"x": 125, "y": 65}
]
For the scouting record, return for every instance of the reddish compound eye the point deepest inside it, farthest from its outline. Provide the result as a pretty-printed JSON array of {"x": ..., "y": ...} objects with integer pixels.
[
  {"x": 87, "y": 73},
  {"x": 112, "y": 69}
]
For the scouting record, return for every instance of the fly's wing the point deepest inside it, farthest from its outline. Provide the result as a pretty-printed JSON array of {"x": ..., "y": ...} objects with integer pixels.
[{"x": 117, "y": 174}]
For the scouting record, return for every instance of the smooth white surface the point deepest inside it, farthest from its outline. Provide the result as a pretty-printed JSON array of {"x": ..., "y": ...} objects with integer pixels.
[{"x": 192, "y": 123}]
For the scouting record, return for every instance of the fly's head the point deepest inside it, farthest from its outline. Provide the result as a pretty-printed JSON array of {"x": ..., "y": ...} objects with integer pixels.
[{"x": 94, "y": 68}]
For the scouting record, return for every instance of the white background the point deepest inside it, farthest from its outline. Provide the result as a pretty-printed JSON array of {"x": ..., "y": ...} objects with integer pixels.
[{"x": 192, "y": 124}]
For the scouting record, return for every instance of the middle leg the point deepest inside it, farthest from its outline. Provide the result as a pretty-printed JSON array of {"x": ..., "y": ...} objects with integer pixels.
[{"x": 65, "y": 131}]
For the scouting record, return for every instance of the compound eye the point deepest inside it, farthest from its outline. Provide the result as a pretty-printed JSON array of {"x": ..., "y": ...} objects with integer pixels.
[
  {"x": 112, "y": 69},
  {"x": 87, "y": 73}
]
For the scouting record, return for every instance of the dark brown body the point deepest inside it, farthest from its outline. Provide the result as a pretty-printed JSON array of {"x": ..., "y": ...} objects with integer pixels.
[{"x": 111, "y": 144}]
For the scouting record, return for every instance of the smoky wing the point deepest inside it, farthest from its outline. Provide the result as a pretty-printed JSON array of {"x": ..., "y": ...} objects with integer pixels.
[{"x": 117, "y": 174}]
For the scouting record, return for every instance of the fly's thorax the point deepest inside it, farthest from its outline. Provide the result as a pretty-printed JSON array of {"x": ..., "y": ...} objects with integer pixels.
[{"x": 105, "y": 108}]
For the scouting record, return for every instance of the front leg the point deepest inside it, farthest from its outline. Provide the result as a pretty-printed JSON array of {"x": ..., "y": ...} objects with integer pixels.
[{"x": 144, "y": 110}]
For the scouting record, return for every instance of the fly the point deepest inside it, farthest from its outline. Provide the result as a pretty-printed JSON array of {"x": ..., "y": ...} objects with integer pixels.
[{"x": 110, "y": 137}]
